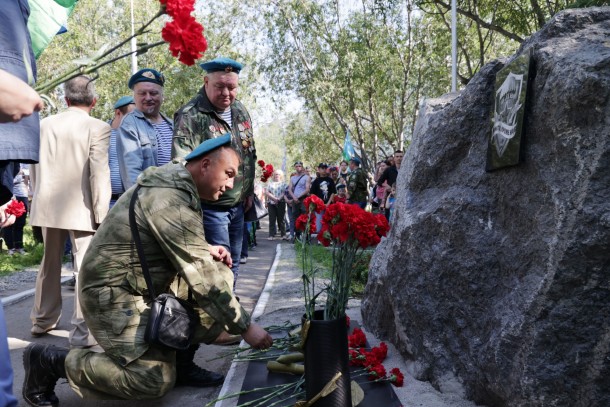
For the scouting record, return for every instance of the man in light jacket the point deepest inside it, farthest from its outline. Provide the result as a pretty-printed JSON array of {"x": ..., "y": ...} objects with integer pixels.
[{"x": 71, "y": 198}]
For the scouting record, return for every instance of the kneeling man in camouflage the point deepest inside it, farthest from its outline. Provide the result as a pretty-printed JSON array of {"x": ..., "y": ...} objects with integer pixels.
[{"x": 114, "y": 297}]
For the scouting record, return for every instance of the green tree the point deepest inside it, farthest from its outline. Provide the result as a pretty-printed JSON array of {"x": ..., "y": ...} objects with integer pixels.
[
  {"x": 94, "y": 25},
  {"x": 355, "y": 70}
]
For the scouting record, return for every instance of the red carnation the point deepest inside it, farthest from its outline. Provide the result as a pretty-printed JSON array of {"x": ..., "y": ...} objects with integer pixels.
[
  {"x": 396, "y": 377},
  {"x": 268, "y": 170},
  {"x": 318, "y": 204},
  {"x": 357, "y": 339},
  {"x": 301, "y": 222},
  {"x": 185, "y": 37},
  {"x": 178, "y": 7},
  {"x": 15, "y": 208},
  {"x": 261, "y": 163},
  {"x": 324, "y": 236},
  {"x": 376, "y": 371},
  {"x": 380, "y": 352}
]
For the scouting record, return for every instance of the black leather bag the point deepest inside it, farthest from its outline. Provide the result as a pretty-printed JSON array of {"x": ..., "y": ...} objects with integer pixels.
[
  {"x": 172, "y": 321},
  {"x": 257, "y": 211}
]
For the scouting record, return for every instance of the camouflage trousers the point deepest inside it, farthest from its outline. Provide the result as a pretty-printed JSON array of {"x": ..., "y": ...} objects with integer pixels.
[
  {"x": 128, "y": 368},
  {"x": 98, "y": 376}
]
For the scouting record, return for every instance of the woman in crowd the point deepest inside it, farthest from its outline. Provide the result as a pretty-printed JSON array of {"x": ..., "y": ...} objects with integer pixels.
[
  {"x": 379, "y": 192},
  {"x": 276, "y": 204}
]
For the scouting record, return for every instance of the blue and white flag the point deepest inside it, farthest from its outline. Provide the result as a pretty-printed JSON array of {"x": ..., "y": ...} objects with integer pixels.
[{"x": 348, "y": 148}]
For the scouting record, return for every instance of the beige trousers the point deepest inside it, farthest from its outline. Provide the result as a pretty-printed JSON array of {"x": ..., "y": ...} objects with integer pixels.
[{"x": 47, "y": 301}]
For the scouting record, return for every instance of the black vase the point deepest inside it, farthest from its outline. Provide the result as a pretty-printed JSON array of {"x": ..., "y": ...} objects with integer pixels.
[{"x": 326, "y": 353}]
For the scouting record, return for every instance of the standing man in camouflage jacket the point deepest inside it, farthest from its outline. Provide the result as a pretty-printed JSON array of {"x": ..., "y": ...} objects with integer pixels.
[
  {"x": 213, "y": 112},
  {"x": 114, "y": 297},
  {"x": 357, "y": 184}
]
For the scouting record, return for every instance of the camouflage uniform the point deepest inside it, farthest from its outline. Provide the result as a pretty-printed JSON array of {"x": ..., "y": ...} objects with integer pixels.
[
  {"x": 114, "y": 296},
  {"x": 197, "y": 121},
  {"x": 357, "y": 186}
]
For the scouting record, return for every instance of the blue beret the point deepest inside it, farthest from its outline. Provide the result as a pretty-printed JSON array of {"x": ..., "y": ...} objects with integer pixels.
[
  {"x": 356, "y": 160},
  {"x": 123, "y": 101},
  {"x": 222, "y": 64},
  {"x": 208, "y": 146},
  {"x": 146, "y": 75}
]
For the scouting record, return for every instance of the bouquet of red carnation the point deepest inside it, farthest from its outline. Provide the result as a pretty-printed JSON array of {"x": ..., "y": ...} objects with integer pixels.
[
  {"x": 350, "y": 229},
  {"x": 371, "y": 360},
  {"x": 16, "y": 208},
  {"x": 267, "y": 170}
]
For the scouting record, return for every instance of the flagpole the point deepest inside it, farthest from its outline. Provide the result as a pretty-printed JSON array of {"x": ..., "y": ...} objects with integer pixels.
[
  {"x": 134, "y": 45},
  {"x": 453, "y": 46}
]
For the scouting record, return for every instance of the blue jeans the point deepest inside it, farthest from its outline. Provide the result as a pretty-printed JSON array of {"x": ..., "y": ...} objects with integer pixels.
[
  {"x": 6, "y": 372},
  {"x": 244, "y": 243},
  {"x": 319, "y": 217},
  {"x": 225, "y": 227}
]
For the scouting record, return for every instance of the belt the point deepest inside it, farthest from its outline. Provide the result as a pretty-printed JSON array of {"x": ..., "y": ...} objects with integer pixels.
[{"x": 115, "y": 197}]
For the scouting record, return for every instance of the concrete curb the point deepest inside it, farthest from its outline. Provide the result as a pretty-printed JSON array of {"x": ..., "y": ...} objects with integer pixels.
[
  {"x": 12, "y": 299},
  {"x": 236, "y": 376}
]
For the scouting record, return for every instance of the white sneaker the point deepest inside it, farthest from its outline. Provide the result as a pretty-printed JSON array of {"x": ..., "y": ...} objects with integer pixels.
[
  {"x": 243, "y": 260},
  {"x": 11, "y": 252}
]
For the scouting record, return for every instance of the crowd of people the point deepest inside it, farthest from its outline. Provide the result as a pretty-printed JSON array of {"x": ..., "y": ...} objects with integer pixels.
[
  {"x": 194, "y": 179},
  {"x": 346, "y": 183}
]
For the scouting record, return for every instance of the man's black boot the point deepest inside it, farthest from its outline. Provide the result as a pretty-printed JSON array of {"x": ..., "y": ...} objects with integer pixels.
[
  {"x": 189, "y": 374},
  {"x": 44, "y": 365}
]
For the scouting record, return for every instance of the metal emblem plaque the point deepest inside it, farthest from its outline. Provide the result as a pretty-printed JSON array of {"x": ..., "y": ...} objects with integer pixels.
[{"x": 504, "y": 147}]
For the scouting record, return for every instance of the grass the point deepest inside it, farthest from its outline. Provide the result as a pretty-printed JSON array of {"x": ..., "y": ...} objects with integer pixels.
[
  {"x": 323, "y": 260},
  {"x": 19, "y": 262}
]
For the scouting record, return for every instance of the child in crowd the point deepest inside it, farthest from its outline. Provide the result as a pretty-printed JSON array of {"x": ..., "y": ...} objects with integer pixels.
[
  {"x": 341, "y": 195},
  {"x": 390, "y": 200}
]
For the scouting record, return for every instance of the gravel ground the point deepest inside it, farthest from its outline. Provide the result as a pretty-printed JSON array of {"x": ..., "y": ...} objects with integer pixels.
[{"x": 18, "y": 280}]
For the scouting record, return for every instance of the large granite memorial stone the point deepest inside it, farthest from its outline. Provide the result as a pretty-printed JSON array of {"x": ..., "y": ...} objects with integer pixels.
[{"x": 497, "y": 284}]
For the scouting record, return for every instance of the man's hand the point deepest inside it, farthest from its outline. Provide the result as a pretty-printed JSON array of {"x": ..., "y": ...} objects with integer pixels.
[
  {"x": 248, "y": 203},
  {"x": 220, "y": 253},
  {"x": 257, "y": 337},
  {"x": 17, "y": 99}
]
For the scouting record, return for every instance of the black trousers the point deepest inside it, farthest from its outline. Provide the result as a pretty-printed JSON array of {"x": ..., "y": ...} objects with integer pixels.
[{"x": 277, "y": 214}]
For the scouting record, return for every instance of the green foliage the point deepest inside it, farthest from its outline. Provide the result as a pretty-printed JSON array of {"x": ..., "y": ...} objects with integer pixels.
[
  {"x": 359, "y": 66},
  {"x": 95, "y": 24},
  {"x": 589, "y": 3},
  {"x": 351, "y": 72},
  {"x": 322, "y": 260},
  {"x": 18, "y": 262}
]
